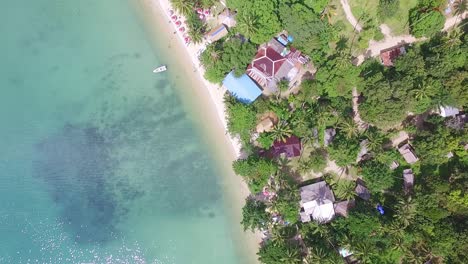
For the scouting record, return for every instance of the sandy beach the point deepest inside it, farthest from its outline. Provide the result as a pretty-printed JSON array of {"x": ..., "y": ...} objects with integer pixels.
[{"x": 207, "y": 99}]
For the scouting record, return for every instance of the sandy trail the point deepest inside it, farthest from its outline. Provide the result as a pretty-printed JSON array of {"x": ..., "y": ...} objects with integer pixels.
[{"x": 349, "y": 15}]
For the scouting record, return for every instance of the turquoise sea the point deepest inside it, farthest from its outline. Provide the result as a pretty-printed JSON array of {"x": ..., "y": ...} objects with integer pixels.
[{"x": 100, "y": 160}]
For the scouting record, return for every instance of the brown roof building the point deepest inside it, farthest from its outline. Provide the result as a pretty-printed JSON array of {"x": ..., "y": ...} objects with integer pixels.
[
  {"x": 408, "y": 180},
  {"x": 291, "y": 147},
  {"x": 407, "y": 152},
  {"x": 388, "y": 56},
  {"x": 216, "y": 33}
]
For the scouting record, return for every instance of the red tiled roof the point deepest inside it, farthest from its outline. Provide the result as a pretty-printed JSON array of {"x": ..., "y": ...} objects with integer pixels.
[
  {"x": 268, "y": 61},
  {"x": 389, "y": 55},
  {"x": 291, "y": 147}
]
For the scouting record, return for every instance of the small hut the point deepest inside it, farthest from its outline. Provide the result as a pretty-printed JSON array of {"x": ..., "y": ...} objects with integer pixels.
[
  {"x": 408, "y": 154},
  {"x": 362, "y": 191},
  {"x": 408, "y": 180},
  {"x": 329, "y": 135},
  {"x": 342, "y": 208}
]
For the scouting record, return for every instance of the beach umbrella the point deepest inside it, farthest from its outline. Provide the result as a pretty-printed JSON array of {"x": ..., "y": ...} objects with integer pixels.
[
  {"x": 207, "y": 12},
  {"x": 199, "y": 11},
  {"x": 182, "y": 29},
  {"x": 171, "y": 12},
  {"x": 201, "y": 16},
  {"x": 174, "y": 17},
  {"x": 178, "y": 23}
]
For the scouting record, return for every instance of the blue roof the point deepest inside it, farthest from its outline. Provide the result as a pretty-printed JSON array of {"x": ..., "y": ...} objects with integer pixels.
[{"x": 243, "y": 88}]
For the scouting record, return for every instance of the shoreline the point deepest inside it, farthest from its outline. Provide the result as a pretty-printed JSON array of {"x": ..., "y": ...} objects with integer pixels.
[{"x": 209, "y": 104}]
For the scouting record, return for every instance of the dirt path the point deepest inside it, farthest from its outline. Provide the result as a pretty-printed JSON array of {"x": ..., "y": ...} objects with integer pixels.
[
  {"x": 389, "y": 41},
  {"x": 349, "y": 15},
  {"x": 453, "y": 20},
  {"x": 357, "y": 118}
]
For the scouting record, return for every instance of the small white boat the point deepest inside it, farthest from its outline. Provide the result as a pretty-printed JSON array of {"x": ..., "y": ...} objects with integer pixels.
[{"x": 160, "y": 69}]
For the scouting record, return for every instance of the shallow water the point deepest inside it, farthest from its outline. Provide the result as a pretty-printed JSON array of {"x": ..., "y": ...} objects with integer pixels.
[{"x": 99, "y": 160}]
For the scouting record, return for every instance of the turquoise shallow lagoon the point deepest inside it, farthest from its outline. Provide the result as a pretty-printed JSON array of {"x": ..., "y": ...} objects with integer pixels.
[{"x": 100, "y": 162}]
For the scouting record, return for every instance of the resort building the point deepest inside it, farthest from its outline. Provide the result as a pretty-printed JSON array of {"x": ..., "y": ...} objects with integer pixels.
[
  {"x": 243, "y": 88},
  {"x": 408, "y": 180},
  {"x": 342, "y": 208},
  {"x": 317, "y": 203},
  {"x": 362, "y": 191},
  {"x": 291, "y": 147},
  {"x": 408, "y": 153},
  {"x": 216, "y": 33},
  {"x": 388, "y": 56},
  {"x": 227, "y": 18},
  {"x": 446, "y": 111},
  {"x": 265, "y": 125},
  {"x": 328, "y": 136},
  {"x": 275, "y": 62}
]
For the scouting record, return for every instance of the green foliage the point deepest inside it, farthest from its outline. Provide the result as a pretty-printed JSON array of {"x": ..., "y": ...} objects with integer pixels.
[
  {"x": 316, "y": 5},
  {"x": 265, "y": 140},
  {"x": 185, "y": 7},
  {"x": 344, "y": 189},
  {"x": 343, "y": 151},
  {"x": 279, "y": 253},
  {"x": 241, "y": 119},
  {"x": 424, "y": 78},
  {"x": 377, "y": 176},
  {"x": 310, "y": 33},
  {"x": 388, "y": 8},
  {"x": 222, "y": 57},
  {"x": 196, "y": 28},
  {"x": 433, "y": 145},
  {"x": 263, "y": 15},
  {"x": 254, "y": 215},
  {"x": 318, "y": 160},
  {"x": 255, "y": 171},
  {"x": 425, "y": 22},
  {"x": 337, "y": 76}
]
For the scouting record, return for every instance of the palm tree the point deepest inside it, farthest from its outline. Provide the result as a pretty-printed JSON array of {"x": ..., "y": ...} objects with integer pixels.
[
  {"x": 328, "y": 12},
  {"x": 375, "y": 141},
  {"x": 406, "y": 211},
  {"x": 196, "y": 36},
  {"x": 184, "y": 7},
  {"x": 304, "y": 166},
  {"x": 215, "y": 55},
  {"x": 281, "y": 131},
  {"x": 247, "y": 24},
  {"x": 291, "y": 256},
  {"x": 349, "y": 128},
  {"x": 453, "y": 38},
  {"x": 314, "y": 42},
  {"x": 460, "y": 7},
  {"x": 345, "y": 189}
]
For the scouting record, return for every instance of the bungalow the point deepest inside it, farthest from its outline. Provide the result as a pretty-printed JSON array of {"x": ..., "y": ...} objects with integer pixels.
[
  {"x": 408, "y": 180},
  {"x": 243, "y": 88},
  {"x": 216, "y": 33},
  {"x": 265, "y": 125},
  {"x": 328, "y": 136},
  {"x": 228, "y": 18},
  {"x": 446, "y": 111},
  {"x": 291, "y": 147},
  {"x": 342, "y": 208},
  {"x": 316, "y": 203},
  {"x": 362, "y": 191},
  {"x": 408, "y": 153},
  {"x": 388, "y": 56},
  {"x": 274, "y": 62}
]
